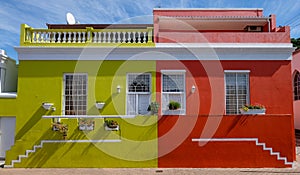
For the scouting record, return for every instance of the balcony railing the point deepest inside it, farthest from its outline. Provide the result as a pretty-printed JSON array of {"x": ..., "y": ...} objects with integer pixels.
[{"x": 87, "y": 36}]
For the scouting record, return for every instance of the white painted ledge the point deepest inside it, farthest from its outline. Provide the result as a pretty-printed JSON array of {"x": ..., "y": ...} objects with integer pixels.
[
  {"x": 8, "y": 95},
  {"x": 88, "y": 116}
]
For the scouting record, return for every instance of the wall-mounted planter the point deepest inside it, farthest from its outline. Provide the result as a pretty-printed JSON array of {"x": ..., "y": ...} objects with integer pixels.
[
  {"x": 99, "y": 105},
  {"x": 173, "y": 112},
  {"x": 86, "y": 125},
  {"x": 111, "y": 129},
  {"x": 253, "y": 112},
  {"x": 111, "y": 125},
  {"x": 47, "y": 106}
]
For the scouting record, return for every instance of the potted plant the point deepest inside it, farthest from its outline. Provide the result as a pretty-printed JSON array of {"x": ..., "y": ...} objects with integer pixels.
[
  {"x": 86, "y": 124},
  {"x": 174, "y": 105},
  {"x": 63, "y": 128},
  {"x": 253, "y": 109},
  {"x": 111, "y": 125},
  {"x": 153, "y": 107}
]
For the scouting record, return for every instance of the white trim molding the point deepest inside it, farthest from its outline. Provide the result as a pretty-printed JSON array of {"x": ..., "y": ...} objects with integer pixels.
[
  {"x": 163, "y": 51},
  {"x": 236, "y": 71},
  {"x": 88, "y": 116}
]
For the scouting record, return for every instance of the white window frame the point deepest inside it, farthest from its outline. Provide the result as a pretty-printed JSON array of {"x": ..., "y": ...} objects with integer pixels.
[
  {"x": 164, "y": 109},
  {"x": 296, "y": 86},
  {"x": 2, "y": 79},
  {"x": 137, "y": 94},
  {"x": 64, "y": 95},
  {"x": 247, "y": 88}
]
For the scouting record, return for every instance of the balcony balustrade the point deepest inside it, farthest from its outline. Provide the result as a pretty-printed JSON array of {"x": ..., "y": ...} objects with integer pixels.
[{"x": 88, "y": 36}]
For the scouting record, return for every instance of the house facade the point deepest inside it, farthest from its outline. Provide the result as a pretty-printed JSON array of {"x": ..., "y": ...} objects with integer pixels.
[
  {"x": 94, "y": 95},
  {"x": 8, "y": 88},
  {"x": 296, "y": 80}
]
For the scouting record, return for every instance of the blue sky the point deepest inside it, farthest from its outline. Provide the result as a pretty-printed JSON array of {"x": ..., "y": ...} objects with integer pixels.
[{"x": 36, "y": 13}]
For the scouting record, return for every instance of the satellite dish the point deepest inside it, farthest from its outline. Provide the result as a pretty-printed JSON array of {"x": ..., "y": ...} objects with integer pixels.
[{"x": 70, "y": 18}]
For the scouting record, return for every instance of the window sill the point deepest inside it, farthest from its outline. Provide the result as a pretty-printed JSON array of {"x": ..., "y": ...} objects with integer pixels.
[
  {"x": 88, "y": 116},
  {"x": 173, "y": 112},
  {"x": 8, "y": 95}
]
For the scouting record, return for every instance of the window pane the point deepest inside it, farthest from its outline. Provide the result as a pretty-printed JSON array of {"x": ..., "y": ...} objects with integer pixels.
[
  {"x": 237, "y": 95},
  {"x": 173, "y": 83},
  {"x": 138, "y": 85},
  {"x": 173, "y": 88},
  {"x": 74, "y": 95},
  {"x": 138, "y": 82}
]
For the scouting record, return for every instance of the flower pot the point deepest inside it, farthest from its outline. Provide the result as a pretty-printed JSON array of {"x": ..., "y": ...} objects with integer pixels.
[
  {"x": 253, "y": 112},
  {"x": 99, "y": 105}
]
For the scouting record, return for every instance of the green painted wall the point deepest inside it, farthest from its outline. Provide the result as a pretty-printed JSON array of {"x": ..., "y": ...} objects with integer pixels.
[{"x": 42, "y": 81}]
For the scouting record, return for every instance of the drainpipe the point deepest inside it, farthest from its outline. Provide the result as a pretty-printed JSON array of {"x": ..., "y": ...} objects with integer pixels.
[{"x": 269, "y": 24}]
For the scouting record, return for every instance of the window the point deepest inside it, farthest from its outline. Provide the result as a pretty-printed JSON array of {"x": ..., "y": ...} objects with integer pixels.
[
  {"x": 297, "y": 86},
  {"x": 75, "y": 94},
  {"x": 138, "y": 93},
  {"x": 237, "y": 90},
  {"x": 173, "y": 89}
]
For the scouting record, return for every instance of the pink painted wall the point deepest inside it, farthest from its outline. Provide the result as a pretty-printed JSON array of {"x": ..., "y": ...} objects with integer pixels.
[
  {"x": 296, "y": 67},
  {"x": 223, "y": 37},
  {"x": 277, "y": 35}
]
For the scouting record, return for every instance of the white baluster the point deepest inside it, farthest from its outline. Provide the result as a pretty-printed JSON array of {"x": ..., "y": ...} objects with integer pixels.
[
  {"x": 104, "y": 37},
  {"x": 95, "y": 37},
  {"x": 134, "y": 39},
  {"x": 59, "y": 37},
  {"x": 108, "y": 37},
  {"x": 119, "y": 37},
  {"x": 48, "y": 37},
  {"x": 124, "y": 37},
  {"x": 88, "y": 36},
  {"x": 69, "y": 37},
  {"x": 99, "y": 37},
  {"x": 64, "y": 37},
  {"x": 39, "y": 37},
  {"x": 53, "y": 38},
  {"x": 114, "y": 37},
  {"x": 44, "y": 37},
  {"x": 129, "y": 39},
  {"x": 83, "y": 37},
  {"x": 144, "y": 39},
  {"x": 139, "y": 37},
  {"x": 79, "y": 37},
  {"x": 74, "y": 37},
  {"x": 34, "y": 37}
]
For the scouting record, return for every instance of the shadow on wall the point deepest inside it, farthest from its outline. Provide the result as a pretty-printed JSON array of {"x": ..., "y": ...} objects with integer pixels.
[{"x": 36, "y": 117}]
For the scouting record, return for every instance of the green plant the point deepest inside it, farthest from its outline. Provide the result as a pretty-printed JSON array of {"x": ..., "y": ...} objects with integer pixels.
[
  {"x": 63, "y": 128},
  {"x": 111, "y": 123},
  {"x": 153, "y": 107},
  {"x": 251, "y": 106},
  {"x": 173, "y": 105}
]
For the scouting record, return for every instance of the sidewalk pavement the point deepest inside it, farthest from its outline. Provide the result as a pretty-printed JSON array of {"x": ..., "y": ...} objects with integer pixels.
[{"x": 150, "y": 171}]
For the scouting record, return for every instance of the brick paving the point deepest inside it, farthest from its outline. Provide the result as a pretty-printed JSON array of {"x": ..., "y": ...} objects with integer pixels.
[{"x": 159, "y": 171}]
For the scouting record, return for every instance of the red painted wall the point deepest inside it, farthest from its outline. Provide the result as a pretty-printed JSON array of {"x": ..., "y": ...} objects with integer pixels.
[
  {"x": 269, "y": 84},
  {"x": 274, "y": 130}
]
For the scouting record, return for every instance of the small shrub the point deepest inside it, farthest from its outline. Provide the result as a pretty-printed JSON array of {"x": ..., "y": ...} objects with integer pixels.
[{"x": 173, "y": 105}]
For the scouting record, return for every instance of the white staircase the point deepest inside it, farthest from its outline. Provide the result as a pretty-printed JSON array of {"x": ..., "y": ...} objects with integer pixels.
[
  {"x": 35, "y": 147},
  {"x": 265, "y": 148},
  {"x": 286, "y": 162}
]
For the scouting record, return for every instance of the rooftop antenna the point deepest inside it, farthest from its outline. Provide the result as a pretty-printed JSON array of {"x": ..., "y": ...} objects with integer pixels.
[{"x": 70, "y": 18}]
